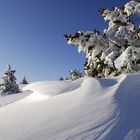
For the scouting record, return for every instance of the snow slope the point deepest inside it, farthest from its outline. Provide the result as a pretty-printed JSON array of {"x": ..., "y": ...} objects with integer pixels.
[{"x": 85, "y": 109}]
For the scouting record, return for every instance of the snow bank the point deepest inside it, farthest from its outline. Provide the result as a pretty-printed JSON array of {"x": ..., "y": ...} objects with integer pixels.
[{"x": 88, "y": 108}]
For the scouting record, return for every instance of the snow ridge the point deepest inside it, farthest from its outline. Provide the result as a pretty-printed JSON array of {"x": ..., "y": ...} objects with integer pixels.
[{"x": 88, "y": 109}]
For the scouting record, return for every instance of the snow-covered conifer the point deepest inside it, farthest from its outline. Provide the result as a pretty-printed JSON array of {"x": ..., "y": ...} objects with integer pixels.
[
  {"x": 61, "y": 78},
  {"x": 24, "y": 81},
  {"x": 75, "y": 74},
  {"x": 116, "y": 50},
  {"x": 9, "y": 85}
]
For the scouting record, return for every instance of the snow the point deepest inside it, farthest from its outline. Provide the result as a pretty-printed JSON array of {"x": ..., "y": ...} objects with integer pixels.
[
  {"x": 84, "y": 109},
  {"x": 120, "y": 40}
]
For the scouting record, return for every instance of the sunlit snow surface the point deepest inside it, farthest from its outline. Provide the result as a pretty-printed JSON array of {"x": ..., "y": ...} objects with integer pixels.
[
  {"x": 37, "y": 97},
  {"x": 85, "y": 109}
]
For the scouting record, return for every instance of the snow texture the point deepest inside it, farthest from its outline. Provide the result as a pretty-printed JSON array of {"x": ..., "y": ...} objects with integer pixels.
[
  {"x": 119, "y": 41},
  {"x": 84, "y": 109}
]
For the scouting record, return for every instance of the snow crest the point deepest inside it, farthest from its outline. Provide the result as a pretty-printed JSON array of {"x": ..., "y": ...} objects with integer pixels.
[{"x": 88, "y": 109}]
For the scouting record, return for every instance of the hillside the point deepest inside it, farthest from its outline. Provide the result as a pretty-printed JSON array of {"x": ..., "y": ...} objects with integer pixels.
[{"x": 85, "y": 109}]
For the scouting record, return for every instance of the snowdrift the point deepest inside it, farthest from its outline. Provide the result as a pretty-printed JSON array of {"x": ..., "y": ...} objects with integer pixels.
[{"x": 85, "y": 109}]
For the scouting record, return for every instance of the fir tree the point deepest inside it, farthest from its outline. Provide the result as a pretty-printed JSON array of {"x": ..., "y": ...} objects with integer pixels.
[
  {"x": 74, "y": 74},
  {"x": 9, "y": 82},
  {"x": 24, "y": 81},
  {"x": 116, "y": 50},
  {"x": 61, "y": 78}
]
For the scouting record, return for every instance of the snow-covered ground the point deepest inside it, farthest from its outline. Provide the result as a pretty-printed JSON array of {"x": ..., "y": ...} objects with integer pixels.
[{"x": 85, "y": 109}]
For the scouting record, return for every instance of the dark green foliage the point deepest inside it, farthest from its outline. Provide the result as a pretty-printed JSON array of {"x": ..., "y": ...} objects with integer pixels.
[
  {"x": 75, "y": 74},
  {"x": 9, "y": 85},
  {"x": 61, "y": 79},
  {"x": 24, "y": 81}
]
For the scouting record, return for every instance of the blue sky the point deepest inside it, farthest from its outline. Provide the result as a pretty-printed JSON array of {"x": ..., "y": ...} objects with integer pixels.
[{"x": 31, "y": 35}]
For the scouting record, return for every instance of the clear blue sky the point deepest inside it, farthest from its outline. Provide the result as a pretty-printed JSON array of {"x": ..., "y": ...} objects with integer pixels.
[{"x": 31, "y": 35}]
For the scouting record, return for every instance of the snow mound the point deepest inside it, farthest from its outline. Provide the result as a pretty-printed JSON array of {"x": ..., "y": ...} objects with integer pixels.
[
  {"x": 88, "y": 109},
  {"x": 53, "y": 87}
]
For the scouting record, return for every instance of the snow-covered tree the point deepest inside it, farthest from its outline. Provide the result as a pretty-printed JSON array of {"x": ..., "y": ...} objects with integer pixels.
[
  {"x": 24, "y": 81},
  {"x": 116, "y": 50},
  {"x": 74, "y": 74},
  {"x": 61, "y": 78},
  {"x": 9, "y": 85},
  {"x": 67, "y": 78}
]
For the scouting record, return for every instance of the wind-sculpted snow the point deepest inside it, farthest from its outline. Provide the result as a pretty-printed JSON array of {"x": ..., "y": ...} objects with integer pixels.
[
  {"x": 85, "y": 109},
  {"x": 6, "y": 99},
  {"x": 128, "y": 99},
  {"x": 53, "y": 88}
]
